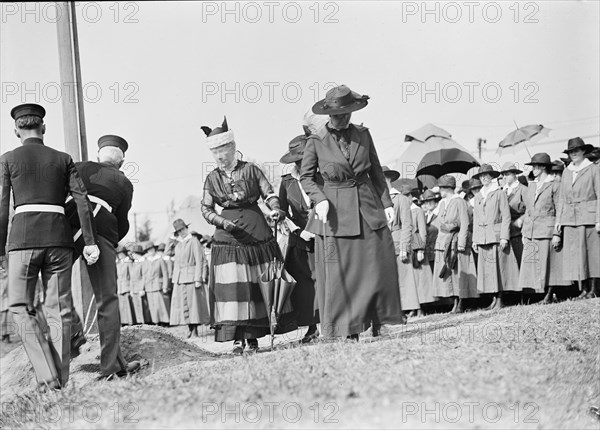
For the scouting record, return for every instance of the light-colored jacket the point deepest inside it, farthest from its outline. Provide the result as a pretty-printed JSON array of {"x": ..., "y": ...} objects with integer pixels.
[
  {"x": 401, "y": 225},
  {"x": 156, "y": 275},
  {"x": 580, "y": 199},
  {"x": 123, "y": 281},
  {"x": 189, "y": 263},
  {"x": 453, "y": 216},
  {"x": 540, "y": 214},
  {"x": 491, "y": 218}
]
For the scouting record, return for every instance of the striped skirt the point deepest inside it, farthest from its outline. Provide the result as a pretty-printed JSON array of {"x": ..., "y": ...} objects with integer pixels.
[{"x": 238, "y": 310}]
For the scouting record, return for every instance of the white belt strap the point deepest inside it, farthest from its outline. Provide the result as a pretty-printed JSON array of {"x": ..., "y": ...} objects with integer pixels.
[
  {"x": 99, "y": 204},
  {"x": 40, "y": 208}
]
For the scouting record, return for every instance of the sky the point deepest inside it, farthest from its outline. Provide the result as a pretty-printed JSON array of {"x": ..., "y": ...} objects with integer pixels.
[{"x": 154, "y": 72}]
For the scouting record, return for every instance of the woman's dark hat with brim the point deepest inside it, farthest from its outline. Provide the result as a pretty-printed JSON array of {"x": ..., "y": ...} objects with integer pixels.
[
  {"x": 594, "y": 154},
  {"x": 578, "y": 143},
  {"x": 474, "y": 184},
  {"x": 340, "y": 100},
  {"x": 464, "y": 186},
  {"x": 447, "y": 181},
  {"x": 389, "y": 173},
  {"x": 179, "y": 224},
  {"x": 429, "y": 195},
  {"x": 510, "y": 168},
  {"x": 541, "y": 159},
  {"x": 558, "y": 166},
  {"x": 486, "y": 168},
  {"x": 296, "y": 150}
]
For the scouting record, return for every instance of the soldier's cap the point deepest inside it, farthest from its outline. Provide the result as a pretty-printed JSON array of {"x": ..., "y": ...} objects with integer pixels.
[
  {"x": 28, "y": 109},
  {"x": 112, "y": 140}
]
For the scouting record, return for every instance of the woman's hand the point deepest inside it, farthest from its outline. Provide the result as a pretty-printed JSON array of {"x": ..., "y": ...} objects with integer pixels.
[
  {"x": 275, "y": 215},
  {"x": 197, "y": 284},
  {"x": 420, "y": 256},
  {"x": 306, "y": 235},
  {"x": 503, "y": 244},
  {"x": 598, "y": 227},
  {"x": 389, "y": 214},
  {"x": 230, "y": 225},
  {"x": 404, "y": 256},
  {"x": 321, "y": 210},
  {"x": 556, "y": 242}
]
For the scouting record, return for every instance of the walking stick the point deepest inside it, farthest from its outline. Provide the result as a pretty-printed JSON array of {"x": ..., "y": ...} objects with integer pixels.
[{"x": 273, "y": 316}]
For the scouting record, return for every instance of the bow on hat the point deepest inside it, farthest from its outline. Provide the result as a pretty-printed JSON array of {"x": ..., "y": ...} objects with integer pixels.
[{"x": 219, "y": 136}]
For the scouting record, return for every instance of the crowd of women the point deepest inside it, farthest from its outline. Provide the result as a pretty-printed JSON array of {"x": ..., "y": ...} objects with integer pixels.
[{"x": 361, "y": 251}]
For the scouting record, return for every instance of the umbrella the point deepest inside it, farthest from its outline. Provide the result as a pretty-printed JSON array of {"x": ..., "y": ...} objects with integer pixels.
[
  {"x": 522, "y": 135},
  {"x": 427, "y": 131},
  {"x": 276, "y": 286}
]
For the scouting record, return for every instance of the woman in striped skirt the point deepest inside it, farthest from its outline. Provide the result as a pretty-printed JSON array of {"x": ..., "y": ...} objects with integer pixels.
[{"x": 243, "y": 245}]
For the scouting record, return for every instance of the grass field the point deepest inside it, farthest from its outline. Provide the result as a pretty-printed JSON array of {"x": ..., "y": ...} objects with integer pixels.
[{"x": 520, "y": 367}]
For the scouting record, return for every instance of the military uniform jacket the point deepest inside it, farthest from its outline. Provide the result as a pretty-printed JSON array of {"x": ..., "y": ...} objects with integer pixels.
[
  {"x": 190, "y": 264},
  {"x": 516, "y": 204},
  {"x": 580, "y": 199},
  {"x": 38, "y": 174},
  {"x": 355, "y": 187},
  {"x": 156, "y": 276},
  {"x": 453, "y": 217},
  {"x": 108, "y": 183},
  {"x": 491, "y": 218},
  {"x": 293, "y": 203},
  {"x": 541, "y": 207}
]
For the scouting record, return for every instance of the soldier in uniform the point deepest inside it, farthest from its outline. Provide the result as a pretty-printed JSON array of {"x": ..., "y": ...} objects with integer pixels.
[
  {"x": 41, "y": 241},
  {"x": 110, "y": 193}
]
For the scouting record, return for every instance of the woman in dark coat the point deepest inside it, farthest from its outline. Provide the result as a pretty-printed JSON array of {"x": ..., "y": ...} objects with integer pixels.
[
  {"x": 353, "y": 208},
  {"x": 300, "y": 256},
  {"x": 579, "y": 217},
  {"x": 243, "y": 245}
]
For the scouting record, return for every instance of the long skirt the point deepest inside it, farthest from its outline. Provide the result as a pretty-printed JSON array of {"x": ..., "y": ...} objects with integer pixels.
[
  {"x": 461, "y": 283},
  {"x": 497, "y": 270},
  {"x": 537, "y": 268},
  {"x": 140, "y": 308},
  {"x": 516, "y": 244},
  {"x": 301, "y": 265},
  {"x": 238, "y": 309},
  {"x": 357, "y": 282},
  {"x": 157, "y": 307},
  {"x": 415, "y": 283},
  {"x": 581, "y": 251},
  {"x": 188, "y": 305},
  {"x": 126, "y": 309}
]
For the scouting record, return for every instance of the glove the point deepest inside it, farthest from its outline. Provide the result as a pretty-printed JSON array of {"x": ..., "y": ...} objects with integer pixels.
[
  {"x": 503, "y": 244},
  {"x": 230, "y": 225},
  {"x": 142, "y": 293},
  {"x": 306, "y": 235},
  {"x": 275, "y": 215},
  {"x": 389, "y": 214},
  {"x": 404, "y": 256},
  {"x": 198, "y": 284},
  {"x": 556, "y": 242},
  {"x": 420, "y": 256},
  {"x": 321, "y": 210},
  {"x": 598, "y": 227},
  {"x": 91, "y": 253}
]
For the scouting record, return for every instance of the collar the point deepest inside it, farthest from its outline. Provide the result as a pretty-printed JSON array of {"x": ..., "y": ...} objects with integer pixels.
[
  {"x": 295, "y": 173},
  {"x": 454, "y": 196},
  {"x": 512, "y": 187},
  {"x": 583, "y": 165},
  {"x": 185, "y": 239},
  {"x": 394, "y": 191},
  {"x": 414, "y": 206},
  {"x": 330, "y": 128},
  {"x": 153, "y": 258},
  {"x": 37, "y": 140},
  {"x": 486, "y": 191},
  {"x": 238, "y": 164},
  {"x": 549, "y": 178}
]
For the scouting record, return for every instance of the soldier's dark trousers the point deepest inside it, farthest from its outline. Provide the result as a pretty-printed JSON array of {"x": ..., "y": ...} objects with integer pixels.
[
  {"x": 103, "y": 276},
  {"x": 48, "y": 347}
]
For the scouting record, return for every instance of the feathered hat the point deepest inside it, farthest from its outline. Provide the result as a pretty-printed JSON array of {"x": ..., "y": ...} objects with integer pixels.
[{"x": 219, "y": 136}]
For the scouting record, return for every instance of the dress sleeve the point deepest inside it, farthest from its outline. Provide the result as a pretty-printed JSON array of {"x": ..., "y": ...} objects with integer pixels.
[
  {"x": 208, "y": 205},
  {"x": 376, "y": 175},
  {"x": 5, "y": 187},
  {"x": 308, "y": 172}
]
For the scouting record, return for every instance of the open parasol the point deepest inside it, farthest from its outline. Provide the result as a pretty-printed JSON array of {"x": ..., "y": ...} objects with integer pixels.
[{"x": 522, "y": 135}]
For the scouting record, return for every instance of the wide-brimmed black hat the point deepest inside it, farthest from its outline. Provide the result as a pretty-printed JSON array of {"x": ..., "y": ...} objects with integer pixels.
[
  {"x": 486, "y": 168},
  {"x": 578, "y": 143},
  {"x": 558, "y": 166},
  {"x": 340, "y": 100},
  {"x": 464, "y": 186},
  {"x": 594, "y": 154},
  {"x": 510, "y": 167},
  {"x": 541, "y": 159},
  {"x": 296, "y": 150},
  {"x": 179, "y": 224},
  {"x": 390, "y": 173}
]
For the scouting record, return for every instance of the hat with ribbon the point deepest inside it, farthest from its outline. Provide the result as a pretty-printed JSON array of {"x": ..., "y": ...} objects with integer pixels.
[
  {"x": 340, "y": 100},
  {"x": 474, "y": 184},
  {"x": 27, "y": 109},
  {"x": 540, "y": 159},
  {"x": 429, "y": 195},
  {"x": 295, "y": 150},
  {"x": 486, "y": 169},
  {"x": 390, "y": 173},
  {"x": 447, "y": 181},
  {"x": 510, "y": 167},
  {"x": 112, "y": 140},
  {"x": 179, "y": 224},
  {"x": 578, "y": 143},
  {"x": 219, "y": 136}
]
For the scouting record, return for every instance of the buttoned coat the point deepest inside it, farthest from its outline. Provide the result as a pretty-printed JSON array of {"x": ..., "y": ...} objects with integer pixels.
[
  {"x": 540, "y": 214},
  {"x": 516, "y": 204},
  {"x": 580, "y": 199},
  {"x": 491, "y": 218},
  {"x": 453, "y": 215},
  {"x": 189, "y": 263},
  {"x": 355, "y": 188}
]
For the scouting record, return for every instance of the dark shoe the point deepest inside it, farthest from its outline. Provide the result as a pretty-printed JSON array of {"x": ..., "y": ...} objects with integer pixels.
[
  {"x": 77, "y": 341},
  {"x": 252, "y": 346},
  {"x": 492, "y": 306},
  {"x": 131, "y": 368},
  {"x": 311, "y": 334},
  {"x": 353, "y": 337},
  {"x": 238, "y": 347},
  {"x": 499, "y": 304},
  {"x": 375, "y": 330}
]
